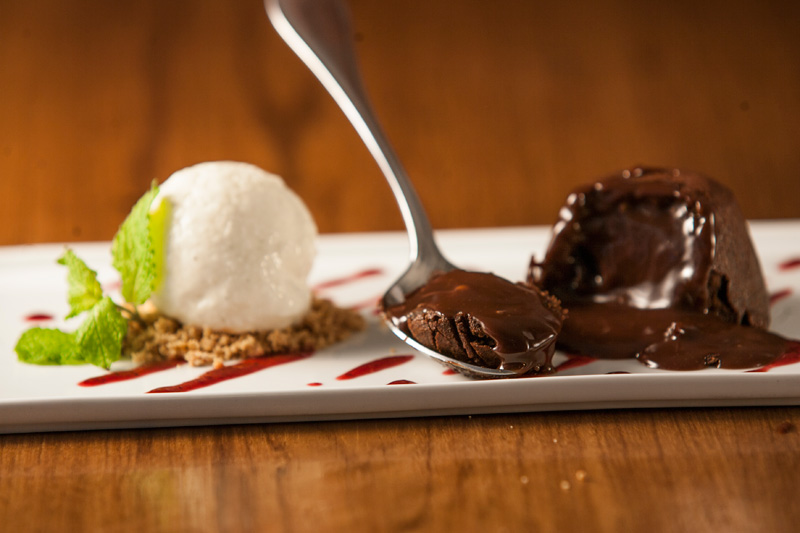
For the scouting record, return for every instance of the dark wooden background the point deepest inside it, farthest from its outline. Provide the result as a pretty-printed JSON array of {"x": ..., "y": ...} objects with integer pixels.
[{"x": 498, "y": 109}]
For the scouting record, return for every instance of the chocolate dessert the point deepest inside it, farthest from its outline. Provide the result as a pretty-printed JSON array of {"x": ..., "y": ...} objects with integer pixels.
[
  {"x": 652, "y": 259},
  {"x": 484, "y": 320}
]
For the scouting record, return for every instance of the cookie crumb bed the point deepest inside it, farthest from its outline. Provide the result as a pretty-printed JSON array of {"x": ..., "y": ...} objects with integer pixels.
[{"x": 161, "y": 338}]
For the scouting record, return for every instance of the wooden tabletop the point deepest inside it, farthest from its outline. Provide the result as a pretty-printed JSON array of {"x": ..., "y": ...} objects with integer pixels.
[{"x": 497, "y": 109}]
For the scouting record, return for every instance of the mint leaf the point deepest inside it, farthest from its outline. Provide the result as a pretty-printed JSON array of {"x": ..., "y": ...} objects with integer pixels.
[
  {"x": 84, "y": 290},
  {"x": 97, "y": 341},
  {"x": 99, "y": 338},
  {"x": 42, "y": 346},
  {"x": 132, "y": 251}
]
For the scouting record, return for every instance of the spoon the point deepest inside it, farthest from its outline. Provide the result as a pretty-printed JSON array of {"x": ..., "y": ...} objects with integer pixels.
[{"x": 319, "y": 32}]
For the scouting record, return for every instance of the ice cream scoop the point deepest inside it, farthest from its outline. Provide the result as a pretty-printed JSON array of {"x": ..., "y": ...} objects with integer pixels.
[{"x": 238, "y": 245}]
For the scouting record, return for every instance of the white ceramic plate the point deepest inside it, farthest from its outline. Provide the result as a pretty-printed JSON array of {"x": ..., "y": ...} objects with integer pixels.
[{"x": 48, "y": 398}]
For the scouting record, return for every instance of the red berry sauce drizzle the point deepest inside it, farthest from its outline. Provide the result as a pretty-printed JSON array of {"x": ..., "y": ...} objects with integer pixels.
[
  {"x": 139, "y": 371},
  {"x": 367, "y": 304},
  {"x": 39, "y": 317},
  {"x": 777, "y": 296},
  {"x": 790, "y": 264},
  {"x": 243, "y": 368},
  {"x": 375, "y": 366}
]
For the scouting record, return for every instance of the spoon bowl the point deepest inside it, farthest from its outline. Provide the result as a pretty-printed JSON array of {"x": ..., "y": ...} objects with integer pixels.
[{"x": 319, "y": 32}]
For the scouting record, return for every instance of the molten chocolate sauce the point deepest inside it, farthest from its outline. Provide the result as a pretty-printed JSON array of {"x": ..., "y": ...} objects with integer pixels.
[
  {"x": 634, "y": 259},
  {"x": 671, "y": 339},
  {"x": 644, "y": 242},
  {"x": 694, "y": 341},
  {"x": 520, "y": 328}
]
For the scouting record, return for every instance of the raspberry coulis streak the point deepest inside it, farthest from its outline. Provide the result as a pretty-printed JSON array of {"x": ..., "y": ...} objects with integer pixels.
[
  {"x": 125, "y": 375},
  {"x": 243, "y": 368},
  {"x": 375, "y": 366}
]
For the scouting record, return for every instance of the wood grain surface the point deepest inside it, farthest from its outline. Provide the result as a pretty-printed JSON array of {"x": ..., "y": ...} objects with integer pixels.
[
  {"x": 656, "y": 470},
  {"x": 498, "y": 109}
]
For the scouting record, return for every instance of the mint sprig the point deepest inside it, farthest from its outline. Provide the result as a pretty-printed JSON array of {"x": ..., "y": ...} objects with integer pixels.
[
  {"x": 133, "y": 254},
  {"x": 42, "y": 346},
  {"x": 84, "y": 291},
  {"x": 98, "y": 340}
]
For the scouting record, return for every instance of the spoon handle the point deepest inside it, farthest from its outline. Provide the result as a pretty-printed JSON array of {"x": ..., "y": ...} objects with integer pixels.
[{"x": 320, "y": 33}]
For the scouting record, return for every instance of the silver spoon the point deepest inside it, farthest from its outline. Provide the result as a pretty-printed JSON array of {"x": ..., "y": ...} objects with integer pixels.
[{"x": 319, "y": 32}]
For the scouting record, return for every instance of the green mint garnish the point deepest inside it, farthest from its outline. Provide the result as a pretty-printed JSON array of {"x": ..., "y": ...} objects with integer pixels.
[
  {"x": 41, "y": 346},
  {"x": 84, "y": 290},
  {"x": 133, "y": 253},
  {"x": 100, "y": 336},
  {"x": 98, "y": 340}
]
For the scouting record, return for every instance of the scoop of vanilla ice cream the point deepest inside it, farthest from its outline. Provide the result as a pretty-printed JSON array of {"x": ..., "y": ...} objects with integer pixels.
[{"x": 239, "y": 245}]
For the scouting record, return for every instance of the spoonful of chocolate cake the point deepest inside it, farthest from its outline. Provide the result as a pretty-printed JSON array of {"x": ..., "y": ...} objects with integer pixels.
[{"x": 477, "y": 323}]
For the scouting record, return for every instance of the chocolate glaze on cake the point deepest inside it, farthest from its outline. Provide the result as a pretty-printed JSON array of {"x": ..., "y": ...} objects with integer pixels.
[
  {"x": 658, "y": 264},
  {"x": 484, "y": 320}
]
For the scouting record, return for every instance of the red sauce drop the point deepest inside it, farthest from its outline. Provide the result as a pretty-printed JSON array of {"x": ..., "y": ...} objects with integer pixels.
[
  {"x": 402, "y": 382},
  {"x": 789, "y": 357},
  {"x": 38, "y": 317},
  {"x": 315, "y": 384},
  {"x": 450, "y": 372},
  {"x": 779, "y": 295},
  {"x": 575, "y": 361},
  {"x": 113, "y": 377},
  {"x": 247, "y": 366},
  {"x": 376, "y": 366},
  {"x": 348, "y": 279},
  {"x": 790, "y": 264}
]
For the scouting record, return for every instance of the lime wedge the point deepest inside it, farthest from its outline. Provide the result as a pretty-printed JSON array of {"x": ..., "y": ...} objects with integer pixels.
[{"x": 157, "y": 225}]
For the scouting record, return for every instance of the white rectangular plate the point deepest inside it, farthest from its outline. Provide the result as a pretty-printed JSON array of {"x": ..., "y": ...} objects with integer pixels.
[{"x": 48, "y": 398}]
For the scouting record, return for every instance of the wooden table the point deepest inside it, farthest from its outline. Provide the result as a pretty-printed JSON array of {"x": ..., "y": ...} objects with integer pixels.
[{"x": 497, "y": 109}]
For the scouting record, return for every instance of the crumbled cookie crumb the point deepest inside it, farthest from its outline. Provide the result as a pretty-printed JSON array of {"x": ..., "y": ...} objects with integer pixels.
[{"x": 163, "y": 338}]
